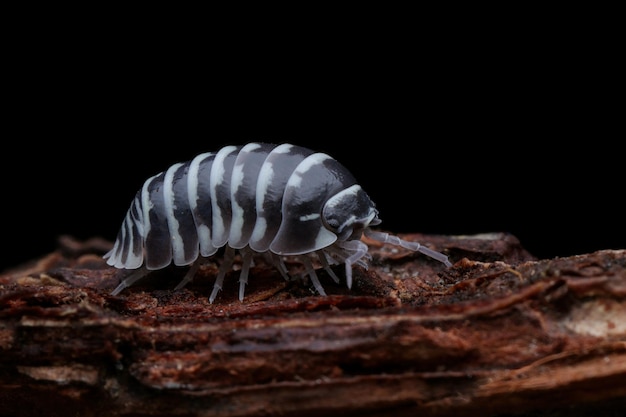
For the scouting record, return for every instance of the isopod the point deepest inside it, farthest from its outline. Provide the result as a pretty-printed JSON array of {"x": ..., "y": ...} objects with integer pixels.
[{"x": 260, "y": 198}]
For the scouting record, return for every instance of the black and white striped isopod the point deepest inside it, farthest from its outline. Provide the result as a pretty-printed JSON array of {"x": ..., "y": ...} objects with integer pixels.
[{"x": 260, "y": 198}]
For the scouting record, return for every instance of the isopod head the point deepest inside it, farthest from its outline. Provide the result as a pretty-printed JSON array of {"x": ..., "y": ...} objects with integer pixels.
[{"x": 349, "y": 212}]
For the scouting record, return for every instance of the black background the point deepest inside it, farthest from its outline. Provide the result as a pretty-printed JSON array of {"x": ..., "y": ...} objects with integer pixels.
[{"x": 455, "y": 135}]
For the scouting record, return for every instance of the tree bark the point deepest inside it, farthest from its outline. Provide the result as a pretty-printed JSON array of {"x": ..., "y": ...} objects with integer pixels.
[{"x": 498, "y": 333}]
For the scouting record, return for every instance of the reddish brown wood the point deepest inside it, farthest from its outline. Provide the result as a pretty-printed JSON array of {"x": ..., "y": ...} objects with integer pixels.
[{"x": 498, "y": 333}]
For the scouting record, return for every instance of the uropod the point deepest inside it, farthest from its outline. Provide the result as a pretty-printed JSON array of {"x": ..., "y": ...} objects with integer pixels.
[{"x": 260, "y": 198}]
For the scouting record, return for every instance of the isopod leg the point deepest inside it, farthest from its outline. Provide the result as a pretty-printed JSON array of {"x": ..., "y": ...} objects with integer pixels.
[
  {"x": 130, "y": 280},
  {"x": 279, "y": 264},
  {"x": 246, "y": 262},
  {"x": 189, "y": 275},
  {"x": 311, "y": 272},
  {"x": 358, "y": 250},
  {"x": 227, "y": 264},
  {"x": 324, "y": 260}
]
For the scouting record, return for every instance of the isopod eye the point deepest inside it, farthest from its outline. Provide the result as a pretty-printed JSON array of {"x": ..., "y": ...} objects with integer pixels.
[{"x": 349, "y": 212}]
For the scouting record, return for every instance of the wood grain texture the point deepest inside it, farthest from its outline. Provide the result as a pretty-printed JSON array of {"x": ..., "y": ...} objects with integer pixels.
[{"x": 499, "y": 333}]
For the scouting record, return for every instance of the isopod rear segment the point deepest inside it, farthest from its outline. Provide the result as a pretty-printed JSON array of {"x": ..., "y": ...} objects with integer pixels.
[{"x": 257, "y": 199}]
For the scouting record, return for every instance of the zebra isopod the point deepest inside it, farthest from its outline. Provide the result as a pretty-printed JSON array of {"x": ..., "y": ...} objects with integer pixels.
[{"x": 260, "y": 198}]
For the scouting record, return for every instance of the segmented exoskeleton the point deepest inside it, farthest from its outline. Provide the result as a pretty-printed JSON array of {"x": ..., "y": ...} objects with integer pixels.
[{"x": 260, "y": 198}]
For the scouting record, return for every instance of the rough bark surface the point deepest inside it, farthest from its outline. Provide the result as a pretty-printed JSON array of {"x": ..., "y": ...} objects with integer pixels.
[{"x": 498, "y": 333}]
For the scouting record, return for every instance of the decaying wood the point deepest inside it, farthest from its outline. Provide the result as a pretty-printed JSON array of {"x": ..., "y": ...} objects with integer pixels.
[{"x": 498, "y": 333}]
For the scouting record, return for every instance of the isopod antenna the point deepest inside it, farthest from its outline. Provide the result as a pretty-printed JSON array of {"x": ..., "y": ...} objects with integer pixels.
[{"x": 414, "y": 246}]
